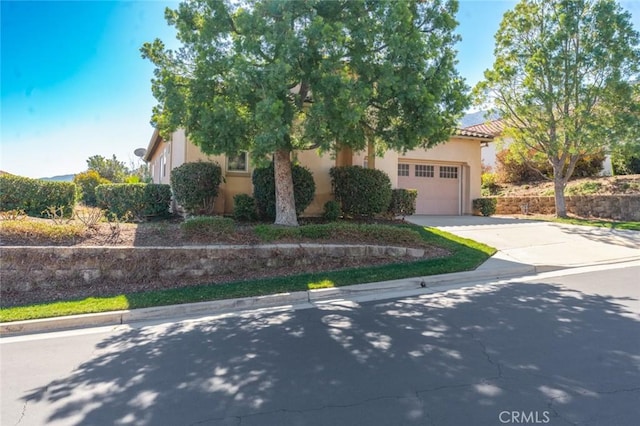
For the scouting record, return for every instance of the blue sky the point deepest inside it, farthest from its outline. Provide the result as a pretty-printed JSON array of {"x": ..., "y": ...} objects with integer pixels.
[{"x": 73, "y": 84}]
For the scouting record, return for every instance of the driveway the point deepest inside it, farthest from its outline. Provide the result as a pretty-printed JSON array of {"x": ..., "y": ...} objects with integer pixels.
[{"x": 546, "y": 245}]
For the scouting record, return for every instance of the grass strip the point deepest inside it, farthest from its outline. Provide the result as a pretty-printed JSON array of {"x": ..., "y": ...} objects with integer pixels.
[
  {"x": 610, "y": 224},
  {"x": 465, "y": 255}
]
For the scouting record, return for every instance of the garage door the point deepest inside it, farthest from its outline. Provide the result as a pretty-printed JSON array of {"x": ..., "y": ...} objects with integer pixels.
[{"x": 438, "y": 187}]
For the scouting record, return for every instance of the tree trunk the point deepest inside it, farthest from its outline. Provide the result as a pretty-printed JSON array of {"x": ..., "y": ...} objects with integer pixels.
[
  {"x": 285, "y": 202},
  {"x": 558, "y": 189}
]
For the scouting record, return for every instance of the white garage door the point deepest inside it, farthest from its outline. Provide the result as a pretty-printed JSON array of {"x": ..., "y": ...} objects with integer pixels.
[{"x": 438, "y": 187}]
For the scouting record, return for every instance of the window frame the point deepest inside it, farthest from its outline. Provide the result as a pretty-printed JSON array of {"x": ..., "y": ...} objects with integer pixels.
[
  {"x": 246, "y": 163},
  {"x": 401, "y": 173},
  {"x": 448, "y": 172}
]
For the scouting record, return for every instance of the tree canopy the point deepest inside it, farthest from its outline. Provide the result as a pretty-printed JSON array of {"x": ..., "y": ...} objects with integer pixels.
[
  {"x": 108, "y": 168},
  {"x": 563, "y": 81},
  {"x": 276, "y": 76}
]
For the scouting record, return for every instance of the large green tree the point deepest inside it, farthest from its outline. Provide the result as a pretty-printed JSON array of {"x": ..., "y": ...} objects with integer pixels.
[
  {"x": 272, "y": 77},
  {"x": 562, "y": 81}
]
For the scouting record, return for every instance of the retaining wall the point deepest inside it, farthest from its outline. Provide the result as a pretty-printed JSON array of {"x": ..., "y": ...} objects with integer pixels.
[
  {"x": 31, "y": 268},
  {"x": 617, "y": 207}
]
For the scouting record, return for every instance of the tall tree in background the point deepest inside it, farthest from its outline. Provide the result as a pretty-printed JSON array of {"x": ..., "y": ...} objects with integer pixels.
[
  {"x": 109, "y": 168},
  {"x": 272, "y": 77},
  {"x": 562, "y": 81}
]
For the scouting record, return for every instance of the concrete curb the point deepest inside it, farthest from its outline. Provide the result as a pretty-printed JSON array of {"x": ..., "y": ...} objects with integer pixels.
[{"x": 270, "y": 301}]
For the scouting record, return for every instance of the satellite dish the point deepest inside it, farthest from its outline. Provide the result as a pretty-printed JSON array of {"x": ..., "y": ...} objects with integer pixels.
[{"x": 140, "y": 152}]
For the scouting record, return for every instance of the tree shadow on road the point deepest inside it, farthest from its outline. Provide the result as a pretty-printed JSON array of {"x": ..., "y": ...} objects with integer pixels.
[{"x": 460, "y": 357}]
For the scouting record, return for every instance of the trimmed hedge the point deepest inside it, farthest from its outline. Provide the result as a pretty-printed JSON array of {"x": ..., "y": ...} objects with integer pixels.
[
  {"x": 195, "y": 186},
  {"x": 244, "y": 208},
  {"x": 137, "y": 199},
  {"x": 264, "y": 189},
  {"x": 87, "y": 183},
  {"x": 34, "y": 196},
  {"x": 403, "y": 202},
  {"x": 332, "y": 211},
  {"x": 486, "y": 206},
  {"x": 361, "y": 192}
]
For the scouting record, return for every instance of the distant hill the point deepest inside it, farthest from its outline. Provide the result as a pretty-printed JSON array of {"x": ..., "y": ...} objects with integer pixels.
[
  {"x": 477, "y": 118},
  {"x": 61, "y": 178}
]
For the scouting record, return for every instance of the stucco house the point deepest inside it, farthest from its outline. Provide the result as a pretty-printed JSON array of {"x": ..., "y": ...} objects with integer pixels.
[{"x": 447, "y": 176}]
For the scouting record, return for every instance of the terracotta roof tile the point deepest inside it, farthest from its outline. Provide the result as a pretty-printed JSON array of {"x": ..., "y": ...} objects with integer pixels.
[{"x": 493, "y": 128}]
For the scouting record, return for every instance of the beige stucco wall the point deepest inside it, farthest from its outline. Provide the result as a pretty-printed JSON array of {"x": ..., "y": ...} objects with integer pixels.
[
  {"x": 459, "y": 151},
  {"x": 319, "y": 165}
]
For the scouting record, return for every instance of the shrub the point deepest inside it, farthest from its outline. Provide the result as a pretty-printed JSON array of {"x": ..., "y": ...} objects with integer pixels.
[
  {"x": 625, "y": 159},
  {"x": 332, "y": 211},
  {"x": 195, "y": 186},
  {"x": 264, "y": 189},
  {"x": 35, "y": 196},
  {"x": 489, "y": 184},
  {"x": 118, "y": 199},
  {"x": 87, "y": 183},
  {"x": 403, "y": 202},
  {"x": 244, "y": 208},
  {"x": 486, "y": 206},
  {"x": 137, "y": 199},
  {"x": 361, "y": 192},
  {"x": 513, "y": 169},
  {"x": 198, "y": 227},
  {"x": 156, "y": 199}
]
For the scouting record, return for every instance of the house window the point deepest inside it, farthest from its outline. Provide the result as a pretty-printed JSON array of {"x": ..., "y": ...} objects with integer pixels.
[
  {"x": 163, "y": 165},
  {"x": 403, "y": 170},
  {"x": 365, "y": 163},
  {"x": 238, "y": 162},
  {"x": 424, "y": 170},
  {"x": 448, "y": 172}
]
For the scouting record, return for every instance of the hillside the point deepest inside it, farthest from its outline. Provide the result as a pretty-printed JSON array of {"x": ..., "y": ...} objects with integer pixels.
[{"x": 605, "y": 185}]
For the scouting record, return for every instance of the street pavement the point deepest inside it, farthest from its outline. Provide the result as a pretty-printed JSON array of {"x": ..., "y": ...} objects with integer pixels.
[{"x": 559, "y": 348}]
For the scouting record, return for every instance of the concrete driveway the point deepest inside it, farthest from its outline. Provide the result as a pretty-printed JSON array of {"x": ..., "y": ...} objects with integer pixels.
[{"x": 545, "y": 245}]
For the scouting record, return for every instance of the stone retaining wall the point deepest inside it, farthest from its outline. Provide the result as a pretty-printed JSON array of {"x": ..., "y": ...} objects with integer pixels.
[
  {"x": 617, "y": 207},
  {"x": 31, "y": 268}
]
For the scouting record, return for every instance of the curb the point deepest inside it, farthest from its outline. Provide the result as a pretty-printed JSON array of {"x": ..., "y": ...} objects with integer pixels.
[{"x": 269, "y": 301}]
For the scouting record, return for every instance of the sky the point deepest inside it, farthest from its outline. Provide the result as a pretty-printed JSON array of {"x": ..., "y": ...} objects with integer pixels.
[{"x": 73, "y": 83}]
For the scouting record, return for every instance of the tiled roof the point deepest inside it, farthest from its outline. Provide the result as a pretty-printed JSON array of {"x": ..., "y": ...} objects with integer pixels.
[
  {"x": 493, "y": 128},
  {"x": 472, "y": 134}
]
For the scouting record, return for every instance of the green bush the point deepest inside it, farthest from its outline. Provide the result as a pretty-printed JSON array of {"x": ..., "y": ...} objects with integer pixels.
[
  {"x": 489, "y": 184},
  {"x": 87, "y": 182},
  {"x": 121, "y": 199},
  {"x": 486, "y": 206},
  {"x": 198, "y": 227},
  {"x": 35, "y": 196},
  {"x": 156, "y": 199},
  {"x": 625, "y": 159},
  {"x": 361, "y": 192},
  {"x": 137, "y": 199},
  {"x": 195, "y": 186},
  {"x": 332, "y": 211},
  {"x": 244, "y": 208},
  {"x": 403, "y": 202},
  {"x": 264, "y": 189}
]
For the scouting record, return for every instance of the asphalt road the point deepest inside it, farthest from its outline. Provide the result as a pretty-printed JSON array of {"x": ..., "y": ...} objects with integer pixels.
[{"x": 557, "y": 349}]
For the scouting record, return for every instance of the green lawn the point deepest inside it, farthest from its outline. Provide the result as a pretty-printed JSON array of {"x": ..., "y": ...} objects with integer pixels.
[
  {"x": 465, "y": 255},
  {"x": 633, "y": 226}
]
